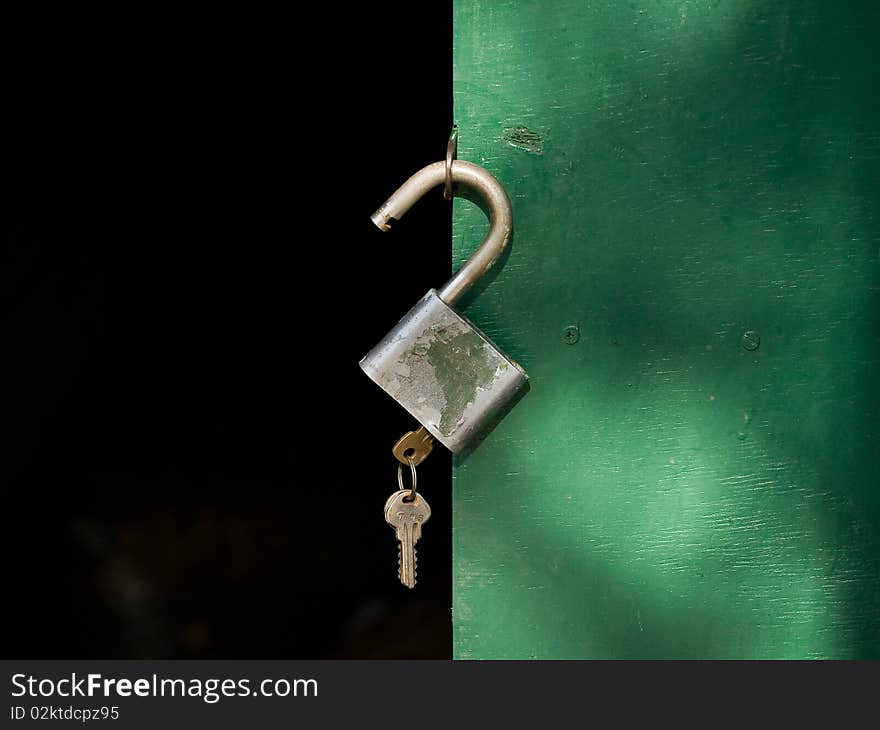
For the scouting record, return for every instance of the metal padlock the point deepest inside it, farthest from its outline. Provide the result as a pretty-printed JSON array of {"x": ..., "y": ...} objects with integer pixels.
[{"x": 435, "y": 362}]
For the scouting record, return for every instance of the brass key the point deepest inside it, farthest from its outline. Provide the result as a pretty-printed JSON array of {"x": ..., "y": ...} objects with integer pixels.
[
  {"x": 414, "y": 446},
  {"x": 406, "y": 513}
]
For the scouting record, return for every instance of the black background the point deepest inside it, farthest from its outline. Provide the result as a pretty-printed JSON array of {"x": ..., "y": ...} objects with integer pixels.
[{"x": 192, "y": 463}]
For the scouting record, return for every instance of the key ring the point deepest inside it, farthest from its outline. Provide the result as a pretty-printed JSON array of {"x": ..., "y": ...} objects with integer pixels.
[
  {"x": 451, "y": 155},
  {"x": 412, "y": 467}
]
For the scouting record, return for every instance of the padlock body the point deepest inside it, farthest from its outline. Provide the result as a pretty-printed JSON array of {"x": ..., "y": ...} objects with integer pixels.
[{"x": 446, "y": 373}]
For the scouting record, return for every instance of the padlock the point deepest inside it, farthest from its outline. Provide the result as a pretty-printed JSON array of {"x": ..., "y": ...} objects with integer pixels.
[{"x": 435, "y": 362}]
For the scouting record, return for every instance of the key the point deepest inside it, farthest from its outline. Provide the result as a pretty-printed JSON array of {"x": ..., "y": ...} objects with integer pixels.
[
  {"x": 413, "y": 446},
  {"x": 407, "y": 519}
]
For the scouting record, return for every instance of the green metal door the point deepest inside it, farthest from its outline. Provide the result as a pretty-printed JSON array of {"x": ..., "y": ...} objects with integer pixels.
[{"x": 693, "y": 288}]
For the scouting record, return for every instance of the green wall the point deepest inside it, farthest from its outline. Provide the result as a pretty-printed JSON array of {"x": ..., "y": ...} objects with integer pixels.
[{"x": 681, "y": 173}]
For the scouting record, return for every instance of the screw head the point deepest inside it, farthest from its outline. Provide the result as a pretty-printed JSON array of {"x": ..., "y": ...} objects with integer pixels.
[
  {"x": 571, "y": 334},
  {"x": 751, "y": 341}
]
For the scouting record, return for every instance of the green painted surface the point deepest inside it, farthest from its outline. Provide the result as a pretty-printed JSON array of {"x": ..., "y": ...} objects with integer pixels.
[{"x": 681, "y": 173}]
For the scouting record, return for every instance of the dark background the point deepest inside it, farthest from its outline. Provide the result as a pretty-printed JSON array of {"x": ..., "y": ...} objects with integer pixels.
[{"x": 191, "y": 462}]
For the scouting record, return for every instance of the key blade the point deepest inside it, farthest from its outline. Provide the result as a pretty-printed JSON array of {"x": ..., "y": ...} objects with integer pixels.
[{"x": 407, "y": 572}]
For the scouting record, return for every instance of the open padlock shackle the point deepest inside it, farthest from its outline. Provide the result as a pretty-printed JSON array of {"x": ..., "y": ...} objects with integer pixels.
[{"x": 477, "y": 185}]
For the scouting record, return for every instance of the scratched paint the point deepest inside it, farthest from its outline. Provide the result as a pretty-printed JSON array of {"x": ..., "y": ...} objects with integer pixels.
[
  {"x": 523, "y": 138},
  {"x": 664, "y": 491},
  {"x": 463, "y": 363}
]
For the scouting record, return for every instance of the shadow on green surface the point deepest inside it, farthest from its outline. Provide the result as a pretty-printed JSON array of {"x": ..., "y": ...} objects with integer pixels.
[{"x": 718, "y": 179}]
